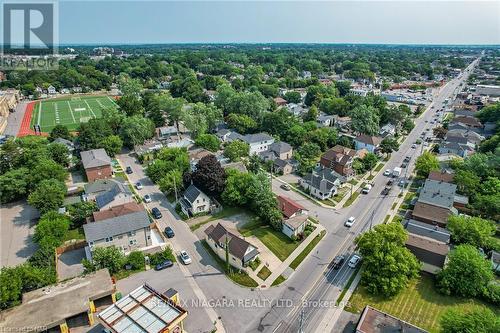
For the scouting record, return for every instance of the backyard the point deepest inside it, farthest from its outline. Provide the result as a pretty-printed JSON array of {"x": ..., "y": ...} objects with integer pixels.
[{"x": 419, "y": 304}]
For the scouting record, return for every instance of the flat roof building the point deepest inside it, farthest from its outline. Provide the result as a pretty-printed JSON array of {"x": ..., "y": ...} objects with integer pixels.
[{"x": 376, "y": 321}]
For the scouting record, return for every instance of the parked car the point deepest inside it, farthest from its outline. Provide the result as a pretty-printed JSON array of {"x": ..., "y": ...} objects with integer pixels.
[
  {"x": 407, "y": 159},
  {"x": 169, "y": 232},
  {"x": 413, "y": 146},
  {"x": 387, "y": 172},
  {"x": 386, "y": 191},
  {"x": 404, "y": 165},
  {"x": 390, "y": 182},
  {"x": 147, "y": 198},
  {"x": 355, "y": 259},
  {"x": 156, "y": 213},
  {"x": 366, "y": 189},
  {"x": 186, "y": 259},
  {"x": 350, "y": 221},
  {"x": 138, "y": 185},
  {"x": 338, "y": 261},
  {"x": 129, "y": 170},
  {"x": 286, "y": 187},
  {"x": 163, "y": 265}
]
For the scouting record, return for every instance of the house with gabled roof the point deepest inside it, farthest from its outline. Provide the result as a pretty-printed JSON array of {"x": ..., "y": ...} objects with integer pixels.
[
  {"x": 321, "y": 183},
  {"x": 97, "y": 164},
  {"x": 339, "y": 159},
  {"x": 115, "y": 196},
  {"x": 368, "y": 142},
  {"x": 194, "y": 201},
  {"x": 241, "y": 253},
  {"x": 295, "y": 216}
]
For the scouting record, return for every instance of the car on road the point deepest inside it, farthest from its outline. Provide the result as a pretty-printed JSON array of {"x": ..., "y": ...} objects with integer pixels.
[
  {"x": 338, "y": 261},
  {"x": 156, "y": 213},
  {"x": 387, "y": 172},
  {"x": 138, "y": 185},
  {"x": 404, "y": 165},
  {"x": 129, "y": 170},
  {"x": 386, "y": 191},
  {"x": 350, "y": 221},
  {"x": 286, "y": 187},
  {"x": 413, "y": 146},
  {"x": 390, "y": 182},
  {"x": 163, "y": 265},
  {"x": 186, "y": 259},
  {"x": 169, "y": 232},
  {"x": 355, "y": 259},
  {"x": 366, "y": 189},
  {"x": 402, "y": 183},
  {"x": 147, "y": 198},
  {"x": 407, "y": 159}
]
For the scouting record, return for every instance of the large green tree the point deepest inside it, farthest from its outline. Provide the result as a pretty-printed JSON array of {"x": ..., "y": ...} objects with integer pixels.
[
  {"x": 365, "y": 119},
  {"x": 48, "y": 195},
  {"x": 478, "y": 319},
  {"x": 14, "y": 185},
  {"x": 471, "y": 230},
  {"x": 208, "y": 141},
  {"x": 135, "y": 130},
  {"x": 52, "y": 225},
  {"x": 388, "y": 265},
  {"x": 109, "y": 257},
  {"x": 426, "y": 163},
  {"x": 236, "y": 150}
]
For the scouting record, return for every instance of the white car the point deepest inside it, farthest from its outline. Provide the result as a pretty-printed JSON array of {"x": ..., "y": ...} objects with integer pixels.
[
  {"x": 147, "y": 198},
  {"x": 355, "y": 259},
  {"x": 387, "y": 172},
  {"x": 186, "y": 259},
  {"x": 350, "y": 221},
  {"x": 138, "y": 185},
  {"x": 366, "y": 189}
]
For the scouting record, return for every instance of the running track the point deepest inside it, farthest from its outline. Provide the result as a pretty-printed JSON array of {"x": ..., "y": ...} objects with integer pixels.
[{"x": 25, "y": 128}]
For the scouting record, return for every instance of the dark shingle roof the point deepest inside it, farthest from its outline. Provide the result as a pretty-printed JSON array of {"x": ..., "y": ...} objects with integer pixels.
[
  {"x": 258, "y": 137},
  {"x": 371, "y": 140},
  {"x": 191, "y": 193},
  {"x": 95, "y": 158},
  {"x": 108, "y": 196},
  {"x": 116, "y": 226},
  {"x": 280, "y": 147},
  {"x": 237, "y": 246},
  {"x": 428, "y": 250},
  {"x": 427, "y": 230}
]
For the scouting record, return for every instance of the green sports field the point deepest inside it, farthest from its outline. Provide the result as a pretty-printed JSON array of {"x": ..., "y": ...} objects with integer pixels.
[{"x": 69, "y": 111}]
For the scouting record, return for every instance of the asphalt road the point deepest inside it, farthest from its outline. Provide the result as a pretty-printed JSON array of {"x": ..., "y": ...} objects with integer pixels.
[{"x": 306, "y": 287}]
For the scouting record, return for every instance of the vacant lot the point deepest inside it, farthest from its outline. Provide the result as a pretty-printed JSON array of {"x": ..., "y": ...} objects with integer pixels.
[{"x": 419, "y": 304}]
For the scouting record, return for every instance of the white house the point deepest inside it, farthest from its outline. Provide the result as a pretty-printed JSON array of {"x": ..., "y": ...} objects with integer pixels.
[
  {"x": 325, "y": 120},
  {"x": 370, "y": 143},
  {"x": 194, "y": 201},
  {"x": 321, "y": 184},
  {"x": 387, "y": 130},
  {"x": 51, "y": 90},
  {"x": 258, "y": 142}
]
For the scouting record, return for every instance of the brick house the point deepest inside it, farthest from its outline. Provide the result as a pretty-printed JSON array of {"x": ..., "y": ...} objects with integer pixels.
[
  {"x": 97, "y": 164},
  {"x": 339, "y": 159}
]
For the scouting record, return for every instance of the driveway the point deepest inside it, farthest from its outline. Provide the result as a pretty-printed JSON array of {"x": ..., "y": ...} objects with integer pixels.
[
  {"x": 15, "y": 119},
  {"x": 69, "y": 264},
  {"x": 17, "y": 225}
]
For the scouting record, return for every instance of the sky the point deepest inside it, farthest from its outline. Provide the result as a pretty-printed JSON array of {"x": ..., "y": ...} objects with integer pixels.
[{"x": 233, "y": 21}]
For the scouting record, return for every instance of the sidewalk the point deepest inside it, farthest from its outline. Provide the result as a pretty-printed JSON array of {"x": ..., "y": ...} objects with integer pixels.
[{"x": 285, "y": 264}]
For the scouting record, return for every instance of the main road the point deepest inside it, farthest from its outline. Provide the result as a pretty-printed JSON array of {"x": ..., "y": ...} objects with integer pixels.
[{"x": 315, "y": 287}]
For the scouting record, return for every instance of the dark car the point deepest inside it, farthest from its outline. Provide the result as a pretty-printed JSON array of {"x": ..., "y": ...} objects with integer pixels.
[
  {"x": 407, "y": 158},
  {"x": 156, "y": 213},
  {"x": 390, "y": 182},
  {"x": 386, "y": 191},
  {"x": 163, "y": 265},
  {"x": 169, "y": 232},
  {"x": 338, "y": 261},
  {"x": 129, "y": 170},
  {"x": 404, "y": 165}
]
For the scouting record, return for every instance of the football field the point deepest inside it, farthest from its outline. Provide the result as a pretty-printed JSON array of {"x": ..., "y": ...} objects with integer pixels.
[{"x": 69, "y": 111}]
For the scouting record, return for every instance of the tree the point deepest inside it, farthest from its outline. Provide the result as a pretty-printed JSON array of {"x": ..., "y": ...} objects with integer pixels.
[
  {"x": 235, "y": 150},
  {"x": 311, "y": 114},
  {"x": 209, "y": 176},
  {"x": 59, "y": 153},
  {"x": 10, "y": 287},
  {"x": 109, "y": 257},
  {"x": 388, "y": 145},
  {"x": 60, "y": 131},
  {"x": 293, "y": 97},
  {"x": 426, "y": 163},
  {"x": 135, "y": 130},
  {"x": 48, "y": 195},
  {"x": 112, "y": 145},
  {"x": 52, "y": 226},
  {"x": 47, "y": 169},
  {"x": 388, "y": 264},
  {"x": 208, "y": 141},
  {"x": 467, "y": 182},
  {"x": 236, "y": 188},
  {"x": 467, "y": 273},
  {"x": 14, "y": 185},
  {"x": 439, "y": 132},
  {"x": 79, "y": 211},
  {"x": 131, "y": 105},
  {"x": 307, "y": 156},
  {"x": 91, "y": 133},
  {"x": 490, "y": 145},
  {"x": 173, "y": 107},
  {"x": 242, "y": 123},
  {"x": 479, "y": 319},
  {"x": 344, "y": 87},
  {"x": 408, "y": 125},
  {"x": 171, "y": 182},
  {"x": 136, "y": 260},
  {"x": 335, "y": 105},
  {"x": 365, "y": 119},
  {"x": 474, "y": 231},
  {"x": 113, "y": 118},
  {"x": 369, "y": 161}
]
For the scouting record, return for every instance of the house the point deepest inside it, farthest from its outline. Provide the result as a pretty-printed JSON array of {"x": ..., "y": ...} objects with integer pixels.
[
  {"x": 321, "y": 184},
  {"x": 296, "y": 109},
  {"x": 92, "y": 190},
  {"x": 258, "y": 143},
  {"x": 341, "y": 122},
  {"x": 368, "y": 142},
  {"x": 56, "y": 308},
  {"x": 339, "y": 159},
  {"x": 97, "y": 164},
  {"x": 117, "y": 195},
  {"x": 495, "y": 261},
  {"x": 387, "y": 130},
  {"x": 241, "y": 253},
  {"x": 457, "y": 144},
  {"x": 123, "y": 209},
  {"x": 195, "y": 155},
  {"x": 281, "y": 150},
  {"x": 125, "y": 230},
  {"x": 375, "y": 321},
  {"x": 441, "y": 176},
  {"x": 68, "y": 144},
  {"x": 164, "y": 133},
  {"x": 295, "y": 217},
  {"x": 430, "y": 231},
  {"x": 240, "y": 166},
  {"x": 227, "y": 135},
  {"x": 51, "y": 90},
  {"x": 325, "y": 120},
  {"x": 148, "y": 147},
  {"x": 194, "y": 201},
  {"x": 283, "y": 167},
  {"x": 470, "y": 122},
  {"x": 145, "y": 310},
  {"x": 280, "y": 101},
  {"x": 471, "y": 136},
  {"x": 432, "y": 253},
  {"x": 435, "y": 203}
]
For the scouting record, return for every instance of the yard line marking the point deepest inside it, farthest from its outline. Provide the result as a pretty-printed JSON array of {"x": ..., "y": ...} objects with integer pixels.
[
  {"x": 114, "y": 103},
  {"x": 90, "y": 108},
  {"x": 100, "y": 104},
  {"x": 39, "y": 112},
  {"x": 71, "y": 110}
]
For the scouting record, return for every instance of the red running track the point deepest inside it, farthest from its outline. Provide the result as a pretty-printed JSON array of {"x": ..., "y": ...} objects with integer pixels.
[{"x": 25, "y": 123}]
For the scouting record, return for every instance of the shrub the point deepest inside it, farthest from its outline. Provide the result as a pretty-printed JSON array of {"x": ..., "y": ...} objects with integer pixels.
[
  {"x": 136, "y": 260},
  {"x": 159, "y": 257}
]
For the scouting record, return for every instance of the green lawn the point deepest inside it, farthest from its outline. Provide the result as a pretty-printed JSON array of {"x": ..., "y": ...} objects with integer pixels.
[
  {"x": 225, "y": 212},
  {"x": 276, "y": 241},
  {"x": 74, "y": 234},
  {"x": 379, "y": 167},
  {"x": 419, "y": 304},
  {"x": 279, "y": 280},
  {"x": 264, "y": 273},
  {"x": 69, "y": 111},
  {"x": 351, "y": 199},
  {"x": 296, "y": 262}
]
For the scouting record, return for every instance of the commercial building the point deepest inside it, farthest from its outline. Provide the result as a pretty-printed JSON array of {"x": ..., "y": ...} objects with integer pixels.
[{"x": 489, "y": 90}]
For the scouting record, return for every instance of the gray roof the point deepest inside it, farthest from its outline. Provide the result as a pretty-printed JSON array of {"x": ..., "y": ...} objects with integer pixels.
[
  {"x": 95, "y": 158},
  {"x": 65, "y": 142},
  {"x": 280, "y": 147},
  {"x": 323, "y": 179},
  {"x": 427, "y": 230},
  {"x": 438, "y": 193},
  {"x": 258, "y": 137},
  {"x": 102, "y": 185},
  {"x": 105, "y": 198},
  {"x": 191, "y": 193},
  {"x": 238, "y": 247},
  {"x": 116, "y": 226}
]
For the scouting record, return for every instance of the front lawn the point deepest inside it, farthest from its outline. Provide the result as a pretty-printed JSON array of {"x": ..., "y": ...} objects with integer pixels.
[
  {"x": 419, "y": 303},
  {"x": 264, "y": 273},
  {"x": 296, "y": 262},
  {"x": 74, "y": 234},
  {"x": 351, "y": 199},
  {"x": 276, "y": 241},
  {"x": 279, "y": 280}
]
